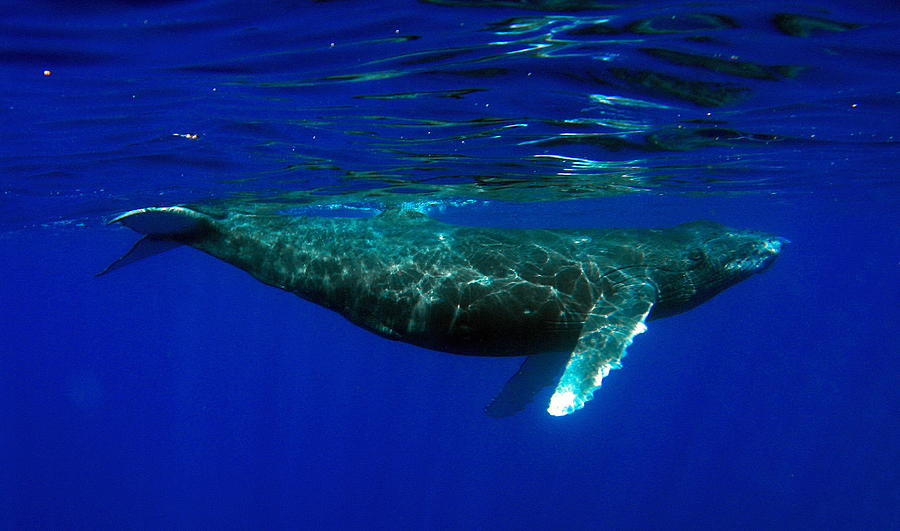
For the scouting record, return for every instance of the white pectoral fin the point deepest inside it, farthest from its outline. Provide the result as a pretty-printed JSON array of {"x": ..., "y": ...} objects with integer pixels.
[{"x": 608, "y": 330}]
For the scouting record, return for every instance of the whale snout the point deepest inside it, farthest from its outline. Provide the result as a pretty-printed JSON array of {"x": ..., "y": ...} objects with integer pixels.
[
  {"x": 755, "y": 253},
  {"x": 767, "y": 251},
  {"x": 770, "y": 248},
  {"x": 773, "y": 245}
]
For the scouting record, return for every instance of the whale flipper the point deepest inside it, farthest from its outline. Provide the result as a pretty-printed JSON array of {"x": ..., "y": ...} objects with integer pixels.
[
  {"x": 608, "y": 330},
  {"x": 537, "y": 371}
]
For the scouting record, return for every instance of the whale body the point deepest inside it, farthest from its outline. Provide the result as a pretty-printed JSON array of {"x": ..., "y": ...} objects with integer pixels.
[{"x": 571, "y": 300}]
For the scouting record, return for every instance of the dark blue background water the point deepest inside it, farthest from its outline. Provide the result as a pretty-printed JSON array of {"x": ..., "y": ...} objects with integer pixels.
[{"x": 180, "y": 393}]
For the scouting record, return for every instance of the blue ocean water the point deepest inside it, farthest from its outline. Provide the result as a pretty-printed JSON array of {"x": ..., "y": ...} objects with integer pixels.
[{"x": 180, "y": 393}]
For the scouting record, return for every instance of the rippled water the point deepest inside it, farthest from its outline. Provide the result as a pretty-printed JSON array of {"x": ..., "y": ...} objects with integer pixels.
[{"x": 357, "y": 102}]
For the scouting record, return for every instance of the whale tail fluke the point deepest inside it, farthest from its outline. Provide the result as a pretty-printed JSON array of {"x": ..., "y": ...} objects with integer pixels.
[{"x": 165, "y": 228}]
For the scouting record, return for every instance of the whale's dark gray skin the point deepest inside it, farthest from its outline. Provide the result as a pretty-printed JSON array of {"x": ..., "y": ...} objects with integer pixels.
[{"x": 573, "y": 297}]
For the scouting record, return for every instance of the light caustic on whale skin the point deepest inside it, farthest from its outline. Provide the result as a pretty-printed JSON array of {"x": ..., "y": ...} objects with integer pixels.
[{"x": 571, "y": 300}]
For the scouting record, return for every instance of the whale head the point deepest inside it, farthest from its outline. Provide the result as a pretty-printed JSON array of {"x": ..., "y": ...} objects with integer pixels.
[{"x": 712, "y": 258}]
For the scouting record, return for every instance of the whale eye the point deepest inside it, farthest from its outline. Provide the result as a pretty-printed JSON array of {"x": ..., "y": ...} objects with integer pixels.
[{"x": 695, "y": 255}]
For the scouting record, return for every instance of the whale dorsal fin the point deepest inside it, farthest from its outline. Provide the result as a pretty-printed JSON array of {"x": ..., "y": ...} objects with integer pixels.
[{"x": 608, "y": 330}]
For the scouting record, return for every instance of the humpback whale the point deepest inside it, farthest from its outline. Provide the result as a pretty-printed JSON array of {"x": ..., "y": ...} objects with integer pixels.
[{"x": 570, "y": 300}]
